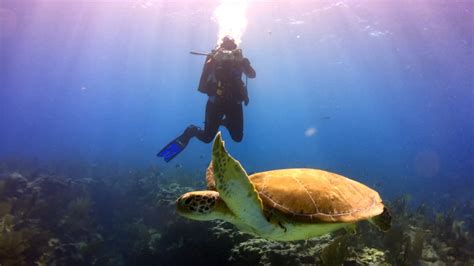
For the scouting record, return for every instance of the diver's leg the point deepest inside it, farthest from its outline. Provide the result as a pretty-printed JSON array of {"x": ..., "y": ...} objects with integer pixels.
[
  {"x": 190, "y": 132},
  {"x": 213, "y": 118},
  {"x": 235, "y": 121},
  {"x": 211, "y": 125}
]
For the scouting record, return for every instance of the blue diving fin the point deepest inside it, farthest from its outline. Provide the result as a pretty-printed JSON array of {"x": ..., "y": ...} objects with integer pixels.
[
  {"x": 172, "y": 149},
  {"x": 176, "y": 146}
]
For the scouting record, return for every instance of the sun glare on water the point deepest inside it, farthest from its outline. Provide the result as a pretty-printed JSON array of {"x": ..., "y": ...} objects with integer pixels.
[{"x": 231, "y": 17}]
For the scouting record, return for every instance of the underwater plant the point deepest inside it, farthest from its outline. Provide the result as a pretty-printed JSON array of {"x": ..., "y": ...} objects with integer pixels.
[
  {"x": 5, "y": 208},
  {"x": 336, "y": 252},
  {"x": 413, "y": 247},
  {"x": 2, "y": 188}
]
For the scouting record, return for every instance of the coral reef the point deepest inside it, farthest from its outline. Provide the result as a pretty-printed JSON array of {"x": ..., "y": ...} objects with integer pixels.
[
  {"x": 68, "y": 213},
  {"x": 368, "y": 256}
]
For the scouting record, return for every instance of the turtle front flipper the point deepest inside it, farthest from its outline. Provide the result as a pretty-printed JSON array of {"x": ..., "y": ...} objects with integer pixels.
[
  {"x": 211, "y": 183},
  {"x": 235, "y": 188}
]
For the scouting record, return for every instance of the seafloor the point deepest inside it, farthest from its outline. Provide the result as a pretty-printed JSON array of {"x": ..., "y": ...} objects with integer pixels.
[{"x": 74, "y": 213}]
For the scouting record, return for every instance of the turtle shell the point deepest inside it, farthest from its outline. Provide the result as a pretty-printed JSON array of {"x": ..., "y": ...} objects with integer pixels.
[{"x": 311, "y": 195}]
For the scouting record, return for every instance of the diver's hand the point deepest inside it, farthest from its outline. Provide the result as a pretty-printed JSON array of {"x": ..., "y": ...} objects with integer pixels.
[
  {"x": 245, "y": 63},
  {"x": 246, "y": 101},
  {"x": 248, "y": 69}
]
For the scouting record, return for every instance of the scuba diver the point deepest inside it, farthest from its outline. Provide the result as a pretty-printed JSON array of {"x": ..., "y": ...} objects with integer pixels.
[{"x": 221, "y": 80}]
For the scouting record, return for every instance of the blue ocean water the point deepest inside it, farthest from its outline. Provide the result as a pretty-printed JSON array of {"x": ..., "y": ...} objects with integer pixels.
[
  {"x": 387, "y": 87},
  {"x": 380, "y": 91}
]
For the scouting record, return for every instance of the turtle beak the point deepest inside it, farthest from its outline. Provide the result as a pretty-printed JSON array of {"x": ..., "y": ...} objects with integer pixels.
[
  {"x": 183, "y": 203},
  {"x": 183, "y": 207}
]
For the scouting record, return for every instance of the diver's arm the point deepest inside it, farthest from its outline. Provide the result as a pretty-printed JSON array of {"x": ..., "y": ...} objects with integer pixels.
[{"x": 248, "y": 69}]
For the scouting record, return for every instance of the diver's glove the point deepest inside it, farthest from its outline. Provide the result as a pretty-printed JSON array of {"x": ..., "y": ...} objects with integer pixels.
[
  {"x": 247, "y": 69},
  {"x": 245, "y": 63}
]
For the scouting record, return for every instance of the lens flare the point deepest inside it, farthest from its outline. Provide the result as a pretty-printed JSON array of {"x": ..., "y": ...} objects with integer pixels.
[{"x": 231, "y": 17}]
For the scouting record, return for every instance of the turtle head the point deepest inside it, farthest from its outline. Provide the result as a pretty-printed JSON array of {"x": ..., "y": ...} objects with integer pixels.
[{"x": 202, "y": 206}]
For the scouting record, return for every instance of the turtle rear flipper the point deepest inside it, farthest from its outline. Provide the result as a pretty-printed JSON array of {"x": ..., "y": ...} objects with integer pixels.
[{"x": 383, "y": 221}]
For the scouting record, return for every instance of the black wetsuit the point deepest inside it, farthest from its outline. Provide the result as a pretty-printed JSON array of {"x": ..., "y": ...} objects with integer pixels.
[
  {"x": 222, "y": 108},
  {"x": 226, "y": 113}
]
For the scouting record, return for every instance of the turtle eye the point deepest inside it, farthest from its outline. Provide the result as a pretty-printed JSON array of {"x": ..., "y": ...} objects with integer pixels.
[{"x": 187, "y": 201}]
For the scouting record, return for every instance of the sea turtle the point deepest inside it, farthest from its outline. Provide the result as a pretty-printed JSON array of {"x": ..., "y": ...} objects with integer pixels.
[{"x": 283, "y": 205}]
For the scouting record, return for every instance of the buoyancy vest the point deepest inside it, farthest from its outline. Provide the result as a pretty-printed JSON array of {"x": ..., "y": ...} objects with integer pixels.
[{"x": 224, "y": 79}]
